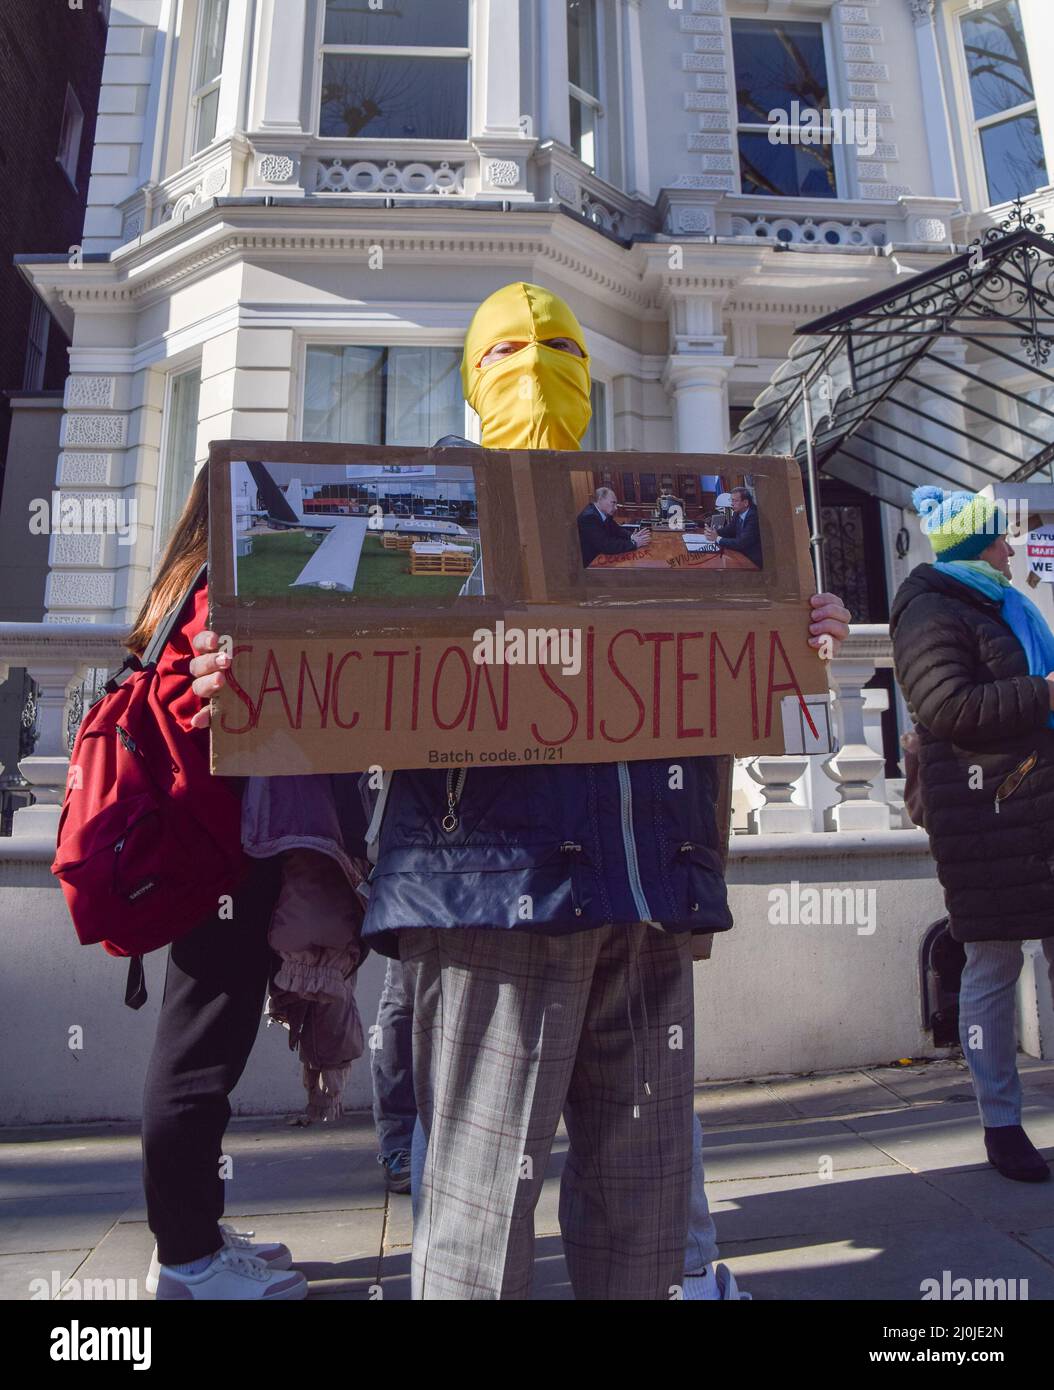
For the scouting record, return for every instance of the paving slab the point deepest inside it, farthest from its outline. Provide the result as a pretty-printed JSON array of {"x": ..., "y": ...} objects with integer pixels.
[
  {"x": 70, "y": 1221},
  {"x": 395, "y": 1277},
  {"x": 719, "y": 1103},
  {"x": 37, "y": 1276},
  {"x": 98, "y": 1160},
  {"x": 847, "y": 1205},
  {"x": 778, "y": 1150},
  {"x": 926, "y": 1083},
  {"x": 890, "y": 1264},
  {"x": 932, "y": 1138},
  {"x": 1040, "y": 1239},
  {"x": 1006, "y": 1205},
  {"x": 848, "y": 1093}
]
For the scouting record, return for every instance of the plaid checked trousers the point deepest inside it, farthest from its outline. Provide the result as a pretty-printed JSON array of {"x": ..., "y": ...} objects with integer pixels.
[{"x": 511, "y": 1029}]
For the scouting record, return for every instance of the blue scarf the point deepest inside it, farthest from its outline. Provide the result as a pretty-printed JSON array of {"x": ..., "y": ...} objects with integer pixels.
[{"x": 1020, "y": 614}]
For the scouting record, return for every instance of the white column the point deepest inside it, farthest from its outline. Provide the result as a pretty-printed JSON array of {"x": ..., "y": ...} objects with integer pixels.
[
  {"x": 697, "y": 384},
  {"x": 282, "y": 38},
  {"x": 634, "y": 102},
  {"x": 934, "y": 104},
  {"x": 277, "y": 131},
  {"x": 554, "y": 115},
  {"x": 496, "y": 51}
]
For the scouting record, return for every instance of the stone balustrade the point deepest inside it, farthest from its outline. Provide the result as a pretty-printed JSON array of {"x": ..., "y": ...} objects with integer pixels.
[{"x": 774, "y": 795}]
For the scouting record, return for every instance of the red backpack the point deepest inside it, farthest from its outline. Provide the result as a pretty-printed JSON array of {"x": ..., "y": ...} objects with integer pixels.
[{"x": 148, "y": 840}]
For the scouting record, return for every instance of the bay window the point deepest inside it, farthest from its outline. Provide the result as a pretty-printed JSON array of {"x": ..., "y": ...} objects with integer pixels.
[
  {"x": 383, "y": 395},
  {"x": 781, "y": 79},
  {"x": 583, "y": 71},
  {"x": 1003, "y": 101},
  {"x": 398, "y": 72},
  {"x": 208, "y": 69}
]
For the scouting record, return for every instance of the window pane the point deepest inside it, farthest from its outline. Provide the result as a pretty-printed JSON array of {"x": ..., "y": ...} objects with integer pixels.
[
  {"x": 997, "y": 59},
  {"x": 595, "y": 438},
  {"x": 776, "y": 64},
  {"x": 420, "y": 23},
  {"x": 424, "y": 396},
  {"x": 180, "y": 444},
  {"x": 344, "y": 395},
  {"x": 213, "y": 32},
  {"x": 792, "y": 171},
  {"x": 208, "y": 112},
  {"x": 1013, "y": 157},
  {"x": 584, "y": 132},
  {"x": 582, "y": 45},
  {"x": 395, "y": 98}
]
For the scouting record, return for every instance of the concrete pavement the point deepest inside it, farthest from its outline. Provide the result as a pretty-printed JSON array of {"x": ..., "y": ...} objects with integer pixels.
[{"x": 856, "y": 1185}]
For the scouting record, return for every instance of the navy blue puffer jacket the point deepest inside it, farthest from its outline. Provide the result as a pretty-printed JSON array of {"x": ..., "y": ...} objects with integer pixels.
[{"x": 553, "y": 849}]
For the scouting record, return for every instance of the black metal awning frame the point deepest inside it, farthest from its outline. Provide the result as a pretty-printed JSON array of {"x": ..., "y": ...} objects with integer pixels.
[{"x": 997, "y": 299}]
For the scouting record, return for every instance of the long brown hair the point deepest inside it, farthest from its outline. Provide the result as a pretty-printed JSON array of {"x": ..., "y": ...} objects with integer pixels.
[{"x": 186, "y": 552}]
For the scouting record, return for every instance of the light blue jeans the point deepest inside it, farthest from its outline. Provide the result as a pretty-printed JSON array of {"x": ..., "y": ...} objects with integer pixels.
[
  {"x": 988, "y": 1025},
  {"x": 701, "y": 1245}
]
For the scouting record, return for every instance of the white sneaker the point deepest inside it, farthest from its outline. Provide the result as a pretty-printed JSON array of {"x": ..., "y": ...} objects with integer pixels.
[
  {"x": 232, "y": 1275},
  {"x": 272, "y": 1252},
  {"x": 718, "y": 1284}
]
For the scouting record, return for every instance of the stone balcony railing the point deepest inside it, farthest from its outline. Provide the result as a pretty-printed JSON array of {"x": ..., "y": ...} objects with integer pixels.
[{"x": 846, "y": 791}]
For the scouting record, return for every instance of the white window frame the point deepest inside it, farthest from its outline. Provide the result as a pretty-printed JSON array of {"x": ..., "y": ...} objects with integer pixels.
[
  {"x": 324, "y": 50},
  {"x": 71, "y": 133},
  {"x": 36, "y": 358},
  {"x": 195, "y": 146},
  {"x": 972, "y": 152},
  {"x": 163, "y": 525},
  {"x": 357, "y": 339},
  {"x": 843, "y": 182},
  {"x": 596, "y": 102}
]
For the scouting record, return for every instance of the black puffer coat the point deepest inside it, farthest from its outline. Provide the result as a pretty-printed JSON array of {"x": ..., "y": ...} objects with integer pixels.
[{"x": 986, "y": 757}]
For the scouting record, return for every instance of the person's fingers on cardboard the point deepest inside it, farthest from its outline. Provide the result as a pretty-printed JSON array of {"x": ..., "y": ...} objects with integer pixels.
[
  {"x": 206, "y": 641},
  {"x": 209, "y": 664},
  {"x": 203, "y": 718},
  {"x": 206, "y": 686}
]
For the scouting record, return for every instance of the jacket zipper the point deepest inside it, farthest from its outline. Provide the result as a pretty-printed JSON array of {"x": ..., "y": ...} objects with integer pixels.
[
  {"x": 455, "y": 785},
  {"x": 1008, "y": 786},
  {"x": 569, "y": 847},
  {"x": 629, "y": 845}
]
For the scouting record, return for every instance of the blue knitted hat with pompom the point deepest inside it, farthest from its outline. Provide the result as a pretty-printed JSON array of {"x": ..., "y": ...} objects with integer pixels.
[{"x": 959, "y": 525}]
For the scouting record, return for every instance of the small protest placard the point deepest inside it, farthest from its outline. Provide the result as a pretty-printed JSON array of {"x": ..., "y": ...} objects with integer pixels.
[{"x": 427, "y": 608}]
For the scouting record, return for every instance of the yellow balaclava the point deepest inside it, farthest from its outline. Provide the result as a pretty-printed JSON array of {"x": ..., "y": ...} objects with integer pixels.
[{"x": 538, "y": 397}]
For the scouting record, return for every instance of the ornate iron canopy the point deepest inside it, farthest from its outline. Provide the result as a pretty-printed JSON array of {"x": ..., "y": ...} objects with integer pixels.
[{"x": 944, "y": 378}]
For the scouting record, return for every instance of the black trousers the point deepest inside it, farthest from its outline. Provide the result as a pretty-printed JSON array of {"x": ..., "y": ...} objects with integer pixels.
[{"x": 214, "y": 991}]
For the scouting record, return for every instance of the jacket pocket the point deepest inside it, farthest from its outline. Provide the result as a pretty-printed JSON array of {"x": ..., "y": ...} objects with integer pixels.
[
  {"x": 699, "y": 879},
  {"x": 1009, "y": 785}
]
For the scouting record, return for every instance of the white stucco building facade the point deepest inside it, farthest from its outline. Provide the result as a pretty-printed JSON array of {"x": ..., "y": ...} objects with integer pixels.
[{"x": 251, "y": 269}]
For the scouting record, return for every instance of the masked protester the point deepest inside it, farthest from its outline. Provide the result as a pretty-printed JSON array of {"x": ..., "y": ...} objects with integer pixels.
[
  {"x": 975, "y": 660},
  {"x": 543, "y": 917}
]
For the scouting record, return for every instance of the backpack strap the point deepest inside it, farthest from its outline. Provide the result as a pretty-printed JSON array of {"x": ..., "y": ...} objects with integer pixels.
[
  {"x": 157, "y": 643},
  {"x": 164, "y": 630}
]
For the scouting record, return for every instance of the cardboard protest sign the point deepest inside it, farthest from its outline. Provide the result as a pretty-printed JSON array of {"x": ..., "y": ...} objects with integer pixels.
[
  {"x": 398, "y": 608},
  {"x": 1039, "y": 548}
]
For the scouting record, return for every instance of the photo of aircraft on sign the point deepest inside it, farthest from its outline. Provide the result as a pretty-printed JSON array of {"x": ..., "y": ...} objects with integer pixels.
[{"x": 392, "y": 532}]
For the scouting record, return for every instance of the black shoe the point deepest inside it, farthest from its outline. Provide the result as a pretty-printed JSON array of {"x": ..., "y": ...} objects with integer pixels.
[
  {"x": 1013, "y": 1154},
  {"x": 396, "y": 1170}
]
